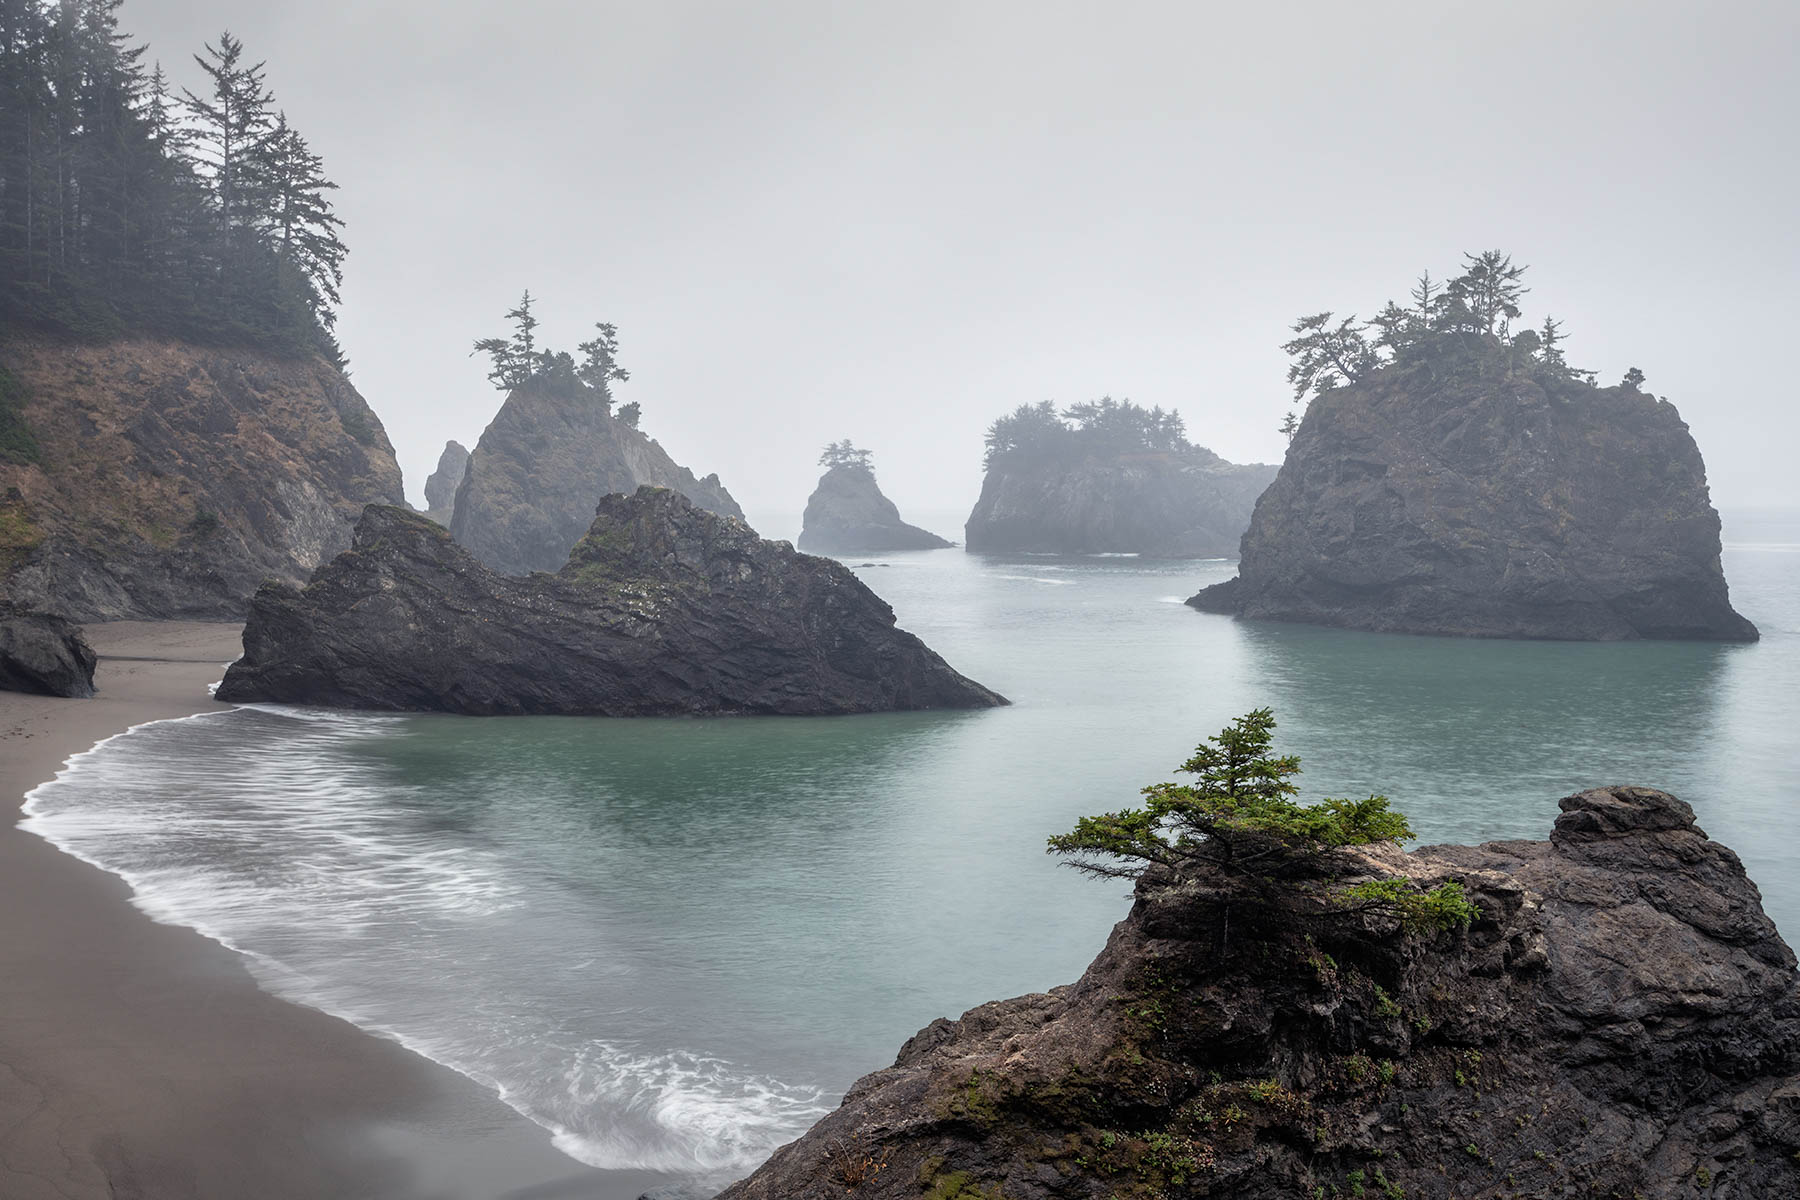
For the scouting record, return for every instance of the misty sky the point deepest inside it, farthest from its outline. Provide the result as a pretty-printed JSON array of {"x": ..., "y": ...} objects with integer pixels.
[{"x": 893, "y": 222}]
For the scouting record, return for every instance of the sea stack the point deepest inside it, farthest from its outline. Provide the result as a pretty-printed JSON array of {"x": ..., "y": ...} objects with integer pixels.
[
  {"x": 847, "y": 514},
  {"x": 1108, "y": 477},
  {"x": 1521, "y": 507},
  {"x": 152, "y": 478},
  {"x": 1521, "y": 1055},
  {"x": 664, "y": 608},
  {"x": 440, "y": 488},
  {"x": 552, "y": 451}
]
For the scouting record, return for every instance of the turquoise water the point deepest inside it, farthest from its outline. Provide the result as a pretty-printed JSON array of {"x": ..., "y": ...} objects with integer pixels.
[{"x": 676, "y": 942}]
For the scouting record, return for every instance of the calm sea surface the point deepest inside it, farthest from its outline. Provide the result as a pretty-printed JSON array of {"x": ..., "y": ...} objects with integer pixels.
[{"x": 675, "y": 943}]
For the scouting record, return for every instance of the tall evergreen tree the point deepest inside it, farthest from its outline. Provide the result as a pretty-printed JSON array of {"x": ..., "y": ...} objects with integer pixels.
[
  {"x": 229, "y": 124},
  {"x": 297, "y": 212}
]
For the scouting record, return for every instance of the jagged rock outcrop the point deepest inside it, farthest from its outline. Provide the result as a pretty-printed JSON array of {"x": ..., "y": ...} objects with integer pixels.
[
  {"x": 1621, "y": 1020},
  {"x": 663, "y": 608},
  {"x": 440, "y": 487},
  {"x": 168, "y": 480},
  {"x": 544, "y": 462},
  {"x": 847, "y": 514},
  {"x": 44, "y": 654},
  {"x": 1165, "y": 504},
  {"x": 1496, "y": 508}
]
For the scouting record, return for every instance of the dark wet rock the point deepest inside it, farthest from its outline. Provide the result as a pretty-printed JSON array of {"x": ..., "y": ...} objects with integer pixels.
[
  {"x": 43, "y": 654},
  {"x": 440, "y": 488},
  {"x": 663, "y": 608},
  {"x": 1164, "y": 504},
  {"x": 1621, "y": 1020},
  {"x": 1498, "y": 508},
  {"x": 551, "y": 452},
  {"x": 171, "y": 480},
  {"x": 847, "y": 514}
]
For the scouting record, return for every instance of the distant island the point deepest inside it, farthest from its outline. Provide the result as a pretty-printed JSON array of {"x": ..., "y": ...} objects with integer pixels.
[
  {"x": 663, "y": 608},
  {"x": 1108, "y": 476},
  {"x": 527, "y": 493},
  {"x": 1453, "y": 474},
  {"x": 847, "y": 514}
]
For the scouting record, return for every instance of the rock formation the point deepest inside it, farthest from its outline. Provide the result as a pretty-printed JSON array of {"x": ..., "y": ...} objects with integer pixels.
[
  {"x": 43, "y": 654},
  {"x": 847, "y": 514},
  {"x": 1489, "y": 508},
  {"x": 169, "y": 480},
  {"x": 541, "y": 466},
  {"x": 440, "y": 488},
  {"x": 1620, "y": 1020},
  {"x": 1166, "y": 504},
  {"x": 664, "y": 608}
]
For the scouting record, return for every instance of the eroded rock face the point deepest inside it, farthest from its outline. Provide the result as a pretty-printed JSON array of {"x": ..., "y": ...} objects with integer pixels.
[
  {"x": 1622, "y": 1019},
  {"x": 1488, "y": 509},
  {"x": 847, "y": 514},
  {"x": 1189, "y": 504},
  {"x": 541, "y": 466},
  {"x": 440, "y": 488},
  {"x": 173, "y": 479},
  {"x": 664, "y": 608},
  {"x": 44, "y": 654}
]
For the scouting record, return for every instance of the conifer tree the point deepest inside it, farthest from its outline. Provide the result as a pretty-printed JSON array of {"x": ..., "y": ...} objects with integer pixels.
[
  {"x": 229, "y": 125},
  {"x": 600, "y": 367},
  {"x": 296, "y": 211}
]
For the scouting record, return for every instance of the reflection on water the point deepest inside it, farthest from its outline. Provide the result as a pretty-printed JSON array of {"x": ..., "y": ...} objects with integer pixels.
[{"x": 674, "y": 940}]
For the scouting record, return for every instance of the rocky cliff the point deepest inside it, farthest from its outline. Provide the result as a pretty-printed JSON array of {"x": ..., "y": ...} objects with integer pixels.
[
  {"x": 847, "y": 514},
  {"x": 663, "y": 608},
  {"x": 440, "y": 487},
  {"x": 1167, "y": 504},
  {"x": 1621, "y": 1020},
  {"x": 157, "y": 479},
  {"x": 44, "y": 654},
  {"x": 1497, "y": 508},
  {"x": 542, "y": 465}
]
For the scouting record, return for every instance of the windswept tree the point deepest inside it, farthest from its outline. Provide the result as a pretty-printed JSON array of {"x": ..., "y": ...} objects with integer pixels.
[
  {"x": 844, "y": 454},
  {"x": 1238, "y": 825},
  {"x": 1488, "y": 292},
  {"x": 1327, "y": 355},
  {"x": 599, "y": 367},
  {"x": 513, "y": 359}
]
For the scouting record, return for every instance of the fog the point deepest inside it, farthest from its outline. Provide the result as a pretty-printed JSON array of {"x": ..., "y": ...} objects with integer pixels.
[{"x": 894, "y": 222}]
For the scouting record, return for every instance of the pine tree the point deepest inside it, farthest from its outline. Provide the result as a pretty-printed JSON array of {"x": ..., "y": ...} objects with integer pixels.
[
  {"x": 229, "y": 125},
  {"x": 600, "y": 367},
  {"x": 514, "y": 359},
  {"x": 297, "y": 213}
]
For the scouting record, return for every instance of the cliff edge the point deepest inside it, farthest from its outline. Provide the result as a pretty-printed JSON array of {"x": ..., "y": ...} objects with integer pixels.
[
  {"x": 148, "y": 478},
  {"x": 1620, "y": 1019}
]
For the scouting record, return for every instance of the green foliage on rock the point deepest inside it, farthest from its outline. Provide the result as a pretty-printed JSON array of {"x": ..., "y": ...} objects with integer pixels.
[
  {"x": 1092, "y": 427},
  {"x": 1239, "y": 820},
  {"x": 1448, "y": 330}
]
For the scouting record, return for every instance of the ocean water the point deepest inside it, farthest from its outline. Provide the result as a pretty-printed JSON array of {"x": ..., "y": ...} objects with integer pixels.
[{"x": 675, "y": 943}]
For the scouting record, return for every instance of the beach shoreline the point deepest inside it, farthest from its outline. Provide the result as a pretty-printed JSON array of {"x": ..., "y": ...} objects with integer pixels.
[{"x": 142, "y": 1060}]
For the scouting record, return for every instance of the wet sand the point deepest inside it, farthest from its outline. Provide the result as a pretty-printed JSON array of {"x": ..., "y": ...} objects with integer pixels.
[{"x": 141, "y": 1061}]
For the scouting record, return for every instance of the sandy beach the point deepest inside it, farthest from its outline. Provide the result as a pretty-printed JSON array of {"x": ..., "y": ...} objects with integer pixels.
[{"x": 141, "y": 1061}]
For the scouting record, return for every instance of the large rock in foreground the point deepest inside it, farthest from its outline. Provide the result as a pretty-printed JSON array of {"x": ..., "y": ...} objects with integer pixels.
[
  {"x": 1621, "y": 1020},
  {"x": 1165, "y": 504},
  {"x": 1488, "y": 509},
  {"x": 44, "y": 654},
  {"x": 170, "y": 480},
  {"x": 663, "y": 609},
  {"x": 847, "y": 514},
  {"x": 552, "y": 451}
]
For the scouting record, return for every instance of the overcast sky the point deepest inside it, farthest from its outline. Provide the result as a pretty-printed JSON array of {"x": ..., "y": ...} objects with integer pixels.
[{"x": 894, "y": 221}]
